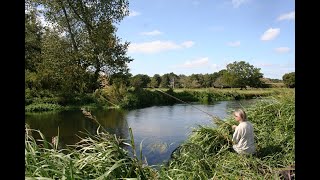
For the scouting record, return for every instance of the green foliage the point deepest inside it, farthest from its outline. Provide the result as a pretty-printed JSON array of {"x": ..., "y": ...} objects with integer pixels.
[
  {"x": 165, "y": 81},
  {"x": 140, "y": 81},
  {"x": 100, "y": 156},
  {"x": 289, "y": 79},
  {"x": 120, "y": 79},
  {"x": 186, "y": 96},
  {"x": 204, "y": 155},
  {"x": 139, "y": 98},
  {"x": 40, "y": 96},
  {"x": 113, "y": 94},
  {"x": 32, "y": 38},
  {"x": 39, "y": 107},
  {"x": 155, "y": 81},
  {"x": 69, "y": 57},
  {"x": 277, "y": 85},
  {"x": 209, "y": 97},
  {"x": 130, "y": 101},
  {"x": 206, "y": 152},
  {"x": 242, "y": 74},
  {"x": 60, "y": 71}
]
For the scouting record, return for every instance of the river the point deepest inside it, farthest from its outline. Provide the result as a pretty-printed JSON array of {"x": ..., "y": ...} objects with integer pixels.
[{"x": 161, "y": 128}]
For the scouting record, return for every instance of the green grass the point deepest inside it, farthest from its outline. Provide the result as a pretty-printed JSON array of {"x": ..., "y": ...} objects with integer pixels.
[
  {"x": 41, "y": 107},
  {"x": 206, "y": 154},
  {"x": 101, "y": 156}
]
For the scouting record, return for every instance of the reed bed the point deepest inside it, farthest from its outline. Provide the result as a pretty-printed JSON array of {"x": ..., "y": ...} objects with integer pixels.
[
  {"x": 100, "y": 156},
  {"x": 206, "y": 154}
]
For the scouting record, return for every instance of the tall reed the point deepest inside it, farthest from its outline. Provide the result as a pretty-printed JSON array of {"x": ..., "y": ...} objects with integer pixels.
[
  {"x": 100, "y": 156},
  {"x": 207, "y": 152}
]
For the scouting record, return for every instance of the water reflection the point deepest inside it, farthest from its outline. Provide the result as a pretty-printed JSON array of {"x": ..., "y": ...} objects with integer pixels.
[
  {"x": 114, "y": 121},
  {"x": 160, "y": 128}
]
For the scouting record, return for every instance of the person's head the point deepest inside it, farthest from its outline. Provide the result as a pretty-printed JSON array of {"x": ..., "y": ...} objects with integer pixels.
[{"x": 240, "y": 115}]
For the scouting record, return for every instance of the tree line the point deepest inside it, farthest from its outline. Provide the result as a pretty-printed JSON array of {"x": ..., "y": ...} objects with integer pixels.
[
  {"x": 237, "y": 75},
  {"x": 78, "y": 52}
]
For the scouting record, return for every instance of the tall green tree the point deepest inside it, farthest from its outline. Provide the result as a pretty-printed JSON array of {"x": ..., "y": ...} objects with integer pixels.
[
  {"x": 165, "y": 81},
  {"x": 59, "y": 72},
  {"x": 289, "y": 79},
  {"x": 155, "y": 81},
  {"x": 33, "y": 37},
  {"x": 33, "y": 40},
  {"x": 195, "y": 81},
  {"x": 173, "y": 80},
  {"x": 185, "y": 81},
  {"x": 223, "y": 79},
  {"x": 140, "y": 81},
  {"x": 89, "y": 27},
  {"x": 243, "y": 74},
  {"x": 207, "y": 80}
]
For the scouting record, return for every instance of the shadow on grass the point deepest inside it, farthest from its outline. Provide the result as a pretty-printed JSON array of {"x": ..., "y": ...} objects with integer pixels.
[{"x": 269, "y": 150}]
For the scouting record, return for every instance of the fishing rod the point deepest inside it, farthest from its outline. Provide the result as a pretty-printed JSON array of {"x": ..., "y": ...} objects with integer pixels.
[
  {"x": 215, "y": 118},
  {"x": 92, "y": 117}
]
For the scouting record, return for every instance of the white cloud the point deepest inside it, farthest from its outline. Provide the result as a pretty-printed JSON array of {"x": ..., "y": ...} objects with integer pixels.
[
  {"x": 200, "y": 63},
  {"x": 234, "y": 44},
  {"x": 157, "y": 46},
  {"x": 187, "y": 44},
  {"x": 237, "y": 3},
  {"x": 151, "y": 33},
  {"x": 134, "y": 13},
  {"x": 282, "y": 49},
  {"x": 216, "y": 67},
  {"x": 195, "y": 63},
  {"x": 288, "y": 16},
  {"x": 270, "y": 34}
]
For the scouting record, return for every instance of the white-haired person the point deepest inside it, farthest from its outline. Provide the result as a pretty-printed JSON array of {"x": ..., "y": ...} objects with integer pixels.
[{"x": 243, "y": 136}]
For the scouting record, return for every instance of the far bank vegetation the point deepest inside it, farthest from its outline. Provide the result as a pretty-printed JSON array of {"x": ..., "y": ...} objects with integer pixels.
[{"x": 78, "y": 60}]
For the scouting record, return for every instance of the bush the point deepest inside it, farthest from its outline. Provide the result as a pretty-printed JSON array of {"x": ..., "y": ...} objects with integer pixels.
[{"x": 42, "y": 107}]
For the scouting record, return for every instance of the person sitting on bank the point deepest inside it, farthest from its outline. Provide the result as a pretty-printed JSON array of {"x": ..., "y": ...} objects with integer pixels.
[{"x": 243, "y": 136}]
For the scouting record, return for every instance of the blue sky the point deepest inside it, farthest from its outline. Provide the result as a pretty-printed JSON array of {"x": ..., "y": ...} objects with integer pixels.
[{"x": 203, "y": 36}]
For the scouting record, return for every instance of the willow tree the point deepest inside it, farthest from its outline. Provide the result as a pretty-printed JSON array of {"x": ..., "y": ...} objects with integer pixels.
[{"x": 89, "y": 28}]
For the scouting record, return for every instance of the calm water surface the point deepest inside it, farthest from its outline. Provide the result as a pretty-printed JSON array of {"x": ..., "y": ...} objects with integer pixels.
[{"x": 161, "y": 128}]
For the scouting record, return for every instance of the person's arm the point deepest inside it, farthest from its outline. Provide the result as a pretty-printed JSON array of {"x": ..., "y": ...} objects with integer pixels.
[
  {"x": 236, "y": 135},
  {"x": 234, "y": 127}
]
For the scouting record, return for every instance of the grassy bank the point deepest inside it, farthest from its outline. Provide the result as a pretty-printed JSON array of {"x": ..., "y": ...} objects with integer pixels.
[
  {"x": 204, "y": 155},
  {"x": 140, "y": 98}
]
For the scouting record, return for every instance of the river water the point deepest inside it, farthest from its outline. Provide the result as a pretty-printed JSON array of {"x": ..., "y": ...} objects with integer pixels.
[{"x": 160, "y": 128}]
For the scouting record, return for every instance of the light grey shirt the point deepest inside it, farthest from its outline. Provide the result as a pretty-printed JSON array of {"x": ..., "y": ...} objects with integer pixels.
[{"x": 243, "y": 137}]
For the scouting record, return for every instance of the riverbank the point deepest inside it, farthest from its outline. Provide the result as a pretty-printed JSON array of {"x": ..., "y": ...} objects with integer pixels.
[
  {"x": 140, "y": 98},
  {"x": 204, "y": 155}
]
